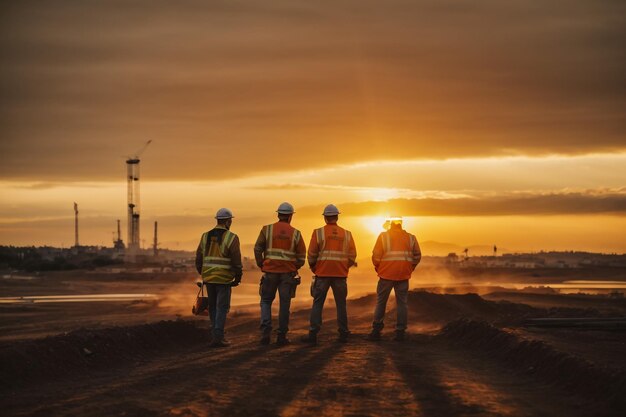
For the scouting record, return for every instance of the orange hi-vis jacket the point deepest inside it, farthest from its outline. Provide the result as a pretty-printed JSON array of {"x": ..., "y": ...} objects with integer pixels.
[
  {"x": 396, "y": 254},
  {"x": 279, "y": 248},
  {"x": 331, "y": 251}
]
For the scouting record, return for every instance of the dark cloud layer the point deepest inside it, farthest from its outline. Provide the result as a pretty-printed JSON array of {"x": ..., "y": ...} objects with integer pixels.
[
  {"x": 270, "y": 86},
  {"x": 548, "y": 204}
]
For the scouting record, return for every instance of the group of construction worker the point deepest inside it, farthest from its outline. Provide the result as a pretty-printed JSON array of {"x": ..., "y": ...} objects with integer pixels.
[{"x": 280, "y": 252}]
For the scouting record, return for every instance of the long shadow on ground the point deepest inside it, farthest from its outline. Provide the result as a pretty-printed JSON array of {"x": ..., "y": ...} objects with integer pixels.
[
  {"x": 160, "y": 385},
  {"x": 419, "y": 374},
  {"x": 277, "y": 381}
]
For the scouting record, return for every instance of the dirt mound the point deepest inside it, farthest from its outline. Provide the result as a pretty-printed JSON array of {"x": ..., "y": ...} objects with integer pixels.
[
  {"x": 447, "y": 307},
  {"x": 541, "y": 360},
  {"x": 368, "y": 300},
  {"x": 427, "y": 306},
  {"x": 85, "y": 349}
]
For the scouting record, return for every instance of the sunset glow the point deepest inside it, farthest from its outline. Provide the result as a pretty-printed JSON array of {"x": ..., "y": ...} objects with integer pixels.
[
  {"x": 373, "y": 225},
  {"x": 448, "y": 129},
  {"x": 522, "y": 203}
]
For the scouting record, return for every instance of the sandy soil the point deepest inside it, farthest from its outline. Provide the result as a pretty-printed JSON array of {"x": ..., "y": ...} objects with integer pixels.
[
  {"x": 465, "y": 356},
  {"x": 426, "y": 375}
]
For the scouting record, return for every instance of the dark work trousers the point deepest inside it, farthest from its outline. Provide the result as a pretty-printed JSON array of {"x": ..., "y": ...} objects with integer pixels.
[
  {"x": 270, "y": 283},
  {"x": 340, "y": 293},
  {"x": 219, "y": 305},
  {"x": 401, "y": 290}
]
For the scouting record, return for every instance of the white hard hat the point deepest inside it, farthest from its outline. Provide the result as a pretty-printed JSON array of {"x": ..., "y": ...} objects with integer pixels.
[
  {"x": 331, "y": 210},
  {"x": 392, "y": 220},
  {"x": 224, "y": 213},
  {"x": 285, "y": 208}
]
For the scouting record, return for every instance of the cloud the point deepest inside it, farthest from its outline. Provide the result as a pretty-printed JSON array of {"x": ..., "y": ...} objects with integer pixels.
[
  {"x": 302, "y": 186},
  {"x": 36, "y": 185},
  {"x": 230, "y": 89},
  {"x": 507, "y": 205},
  {"x": 322, "y": 187}
]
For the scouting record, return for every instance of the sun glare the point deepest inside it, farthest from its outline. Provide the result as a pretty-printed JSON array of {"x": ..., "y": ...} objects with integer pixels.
[{"x": 374, "y": 224}]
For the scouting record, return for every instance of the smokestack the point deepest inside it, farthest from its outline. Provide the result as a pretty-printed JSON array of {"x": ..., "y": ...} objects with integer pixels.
[
  {"x": 155, "y": 245},
  {"x": 75, "y": 224},
  {"x": 118, "y": 243}
]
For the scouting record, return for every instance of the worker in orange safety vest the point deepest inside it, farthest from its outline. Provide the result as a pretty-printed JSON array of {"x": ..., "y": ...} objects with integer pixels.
[
  {"x": 331, "y": 253},
  {"x": 279, "y": 251},
  {"x": 395, "y": 256}
]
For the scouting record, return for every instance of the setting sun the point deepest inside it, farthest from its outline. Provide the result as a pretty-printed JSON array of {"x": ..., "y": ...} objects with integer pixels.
[{"x": 374, "y": 224}]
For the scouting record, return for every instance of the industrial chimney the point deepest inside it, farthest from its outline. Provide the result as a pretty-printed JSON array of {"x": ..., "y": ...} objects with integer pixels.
[
  {"x": 155, "y": 244},
  {"x": 76, "y": 225}
]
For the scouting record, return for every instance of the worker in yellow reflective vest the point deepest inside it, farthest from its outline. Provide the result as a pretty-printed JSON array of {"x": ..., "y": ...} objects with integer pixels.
[
  {"x": 331, "y": 254},
  {"x": 395, "y": 257},
  {"x": 279, "y": 251},
  {"x": 218, "y": 260}
]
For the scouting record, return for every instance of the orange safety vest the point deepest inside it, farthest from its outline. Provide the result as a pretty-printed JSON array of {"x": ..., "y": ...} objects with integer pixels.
[
  {"x": 283, "y": 248},
  {"x": 332, "y": 251},
  {"x": 396, "y": 254}
]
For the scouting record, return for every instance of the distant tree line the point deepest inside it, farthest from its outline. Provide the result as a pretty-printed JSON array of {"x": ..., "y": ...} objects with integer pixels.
[{"x": 50, "y": 259}]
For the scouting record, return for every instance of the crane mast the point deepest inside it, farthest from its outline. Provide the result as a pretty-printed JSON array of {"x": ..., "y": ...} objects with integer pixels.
[{"x": 134, "y": 206}]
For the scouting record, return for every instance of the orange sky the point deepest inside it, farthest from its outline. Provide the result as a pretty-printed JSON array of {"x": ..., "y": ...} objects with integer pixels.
[{"x": 482, "y": 122}]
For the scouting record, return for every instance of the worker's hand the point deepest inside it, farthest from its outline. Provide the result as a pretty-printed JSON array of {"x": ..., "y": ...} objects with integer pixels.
[{"x": 236, "y": 282}]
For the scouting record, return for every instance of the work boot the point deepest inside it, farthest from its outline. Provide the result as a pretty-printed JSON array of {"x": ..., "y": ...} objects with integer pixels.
[
  {"x": 282, "y": 340},
  {"x": 310, "y": 339},
  {"x": 374, "y": 336},
  {"x": 343, "y": 337},
  {"x": 219, "y": 342},
  {"x": 400, "y": 336},
  {"x": 265, "y": 339}
]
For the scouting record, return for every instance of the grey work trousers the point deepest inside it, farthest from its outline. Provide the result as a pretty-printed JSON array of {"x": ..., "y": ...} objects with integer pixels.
[
  {"x": 270, "y": 283},
  {"x": 401, "y": 290},
  {"x": 219, "y": 305},
  {"x": 340, "y": 293}
]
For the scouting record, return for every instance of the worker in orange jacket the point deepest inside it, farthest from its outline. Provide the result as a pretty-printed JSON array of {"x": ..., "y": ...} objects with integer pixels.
[
  {"x": 279, "y": 251},
  {"x": 331, "y": 253},
  {"x": 395, "y": 256}
]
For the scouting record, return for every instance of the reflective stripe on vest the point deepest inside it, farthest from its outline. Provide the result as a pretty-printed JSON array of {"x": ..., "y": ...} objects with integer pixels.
[
  {"x": 221, "y": 261},
  {"x": 278, "y": 254},
  {"x": 397, "y": 255},
  {"x": 332, "y": 255}
]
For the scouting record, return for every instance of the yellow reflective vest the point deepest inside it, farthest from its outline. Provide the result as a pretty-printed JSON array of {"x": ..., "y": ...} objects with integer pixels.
[{"x": 216, "y": 264}]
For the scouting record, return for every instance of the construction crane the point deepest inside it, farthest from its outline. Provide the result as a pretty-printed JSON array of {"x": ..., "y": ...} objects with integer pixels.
[
  {"x": 132, "y": 177},
  {"x": 139, "y": 151}
]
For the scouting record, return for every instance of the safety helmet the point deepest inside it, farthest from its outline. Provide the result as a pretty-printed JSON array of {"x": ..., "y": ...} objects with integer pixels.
[
  {"x": 392, "y": 220},
  {"x": 331, "y": 210},
  {"x": 223, "y": 214},
  {"x": 285, "y": 208}
]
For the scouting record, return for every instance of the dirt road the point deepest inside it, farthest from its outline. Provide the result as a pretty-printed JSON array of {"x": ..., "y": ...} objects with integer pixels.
[{"x": 423, "y": 376}]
